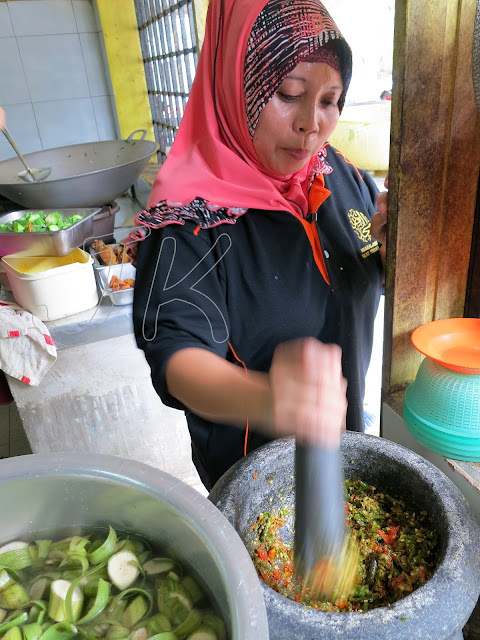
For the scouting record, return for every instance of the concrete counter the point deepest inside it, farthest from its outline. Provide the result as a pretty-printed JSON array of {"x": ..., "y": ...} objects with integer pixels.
[{"x": 98, "y": 396}]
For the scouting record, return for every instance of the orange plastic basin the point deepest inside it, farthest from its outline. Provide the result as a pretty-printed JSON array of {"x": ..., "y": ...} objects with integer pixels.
[{"x": 453, "y": 342}]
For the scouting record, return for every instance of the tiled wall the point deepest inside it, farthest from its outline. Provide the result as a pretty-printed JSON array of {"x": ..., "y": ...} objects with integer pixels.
[{"x": 54, "y": 85}]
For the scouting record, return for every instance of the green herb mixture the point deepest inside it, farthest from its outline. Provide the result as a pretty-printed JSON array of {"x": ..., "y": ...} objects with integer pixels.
[{"x": 397, "y": 552}]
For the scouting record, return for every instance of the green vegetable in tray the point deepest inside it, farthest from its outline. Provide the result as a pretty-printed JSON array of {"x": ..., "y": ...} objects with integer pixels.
[
  {"x": 98, "y": 587},
  {"x": 38, "y": 221}
]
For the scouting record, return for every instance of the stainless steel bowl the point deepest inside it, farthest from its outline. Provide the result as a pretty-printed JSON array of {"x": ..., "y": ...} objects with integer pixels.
[
  {"x": 83, "y": 175},
  {"x": 47, "y": 492}
]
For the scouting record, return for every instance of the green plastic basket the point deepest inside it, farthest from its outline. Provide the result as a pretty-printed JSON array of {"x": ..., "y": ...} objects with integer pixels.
[{"x": 442, "y": 411}]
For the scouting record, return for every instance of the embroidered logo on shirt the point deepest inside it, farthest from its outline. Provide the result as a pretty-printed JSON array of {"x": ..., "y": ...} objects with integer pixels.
[{"x": 361, "y": 225}]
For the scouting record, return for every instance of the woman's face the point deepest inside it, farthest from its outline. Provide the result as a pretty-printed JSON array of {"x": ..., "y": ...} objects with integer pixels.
[{"x": 299, "y": 118}]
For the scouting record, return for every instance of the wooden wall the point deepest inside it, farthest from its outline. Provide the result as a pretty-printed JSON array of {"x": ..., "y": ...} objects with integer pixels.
[{"x": 433, "y": 179}]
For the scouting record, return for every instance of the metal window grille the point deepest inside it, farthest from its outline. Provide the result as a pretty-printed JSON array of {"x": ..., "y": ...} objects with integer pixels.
[{"x": 169, "y": 49}]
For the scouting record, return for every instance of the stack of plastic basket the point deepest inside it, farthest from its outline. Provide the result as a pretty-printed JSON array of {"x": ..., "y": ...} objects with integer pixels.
[{"x": 442, "y": 405}]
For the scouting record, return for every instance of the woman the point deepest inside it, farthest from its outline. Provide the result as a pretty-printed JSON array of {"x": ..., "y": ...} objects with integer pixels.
[{"x": 259, "y": 280}]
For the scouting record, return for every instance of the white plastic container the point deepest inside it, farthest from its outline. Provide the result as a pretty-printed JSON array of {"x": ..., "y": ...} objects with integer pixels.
[{"x": 52, "y": 287}]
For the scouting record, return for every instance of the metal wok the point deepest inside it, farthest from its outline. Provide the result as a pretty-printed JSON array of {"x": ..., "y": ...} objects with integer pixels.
[{"x": 83, "y": 175}]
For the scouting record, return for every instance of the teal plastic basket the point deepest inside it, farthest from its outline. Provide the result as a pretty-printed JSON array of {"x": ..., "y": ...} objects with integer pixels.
[{"x": 442, "y": 411}]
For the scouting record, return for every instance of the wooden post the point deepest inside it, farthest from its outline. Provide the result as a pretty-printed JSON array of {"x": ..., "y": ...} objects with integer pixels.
[{"x": 434, "y": 169}]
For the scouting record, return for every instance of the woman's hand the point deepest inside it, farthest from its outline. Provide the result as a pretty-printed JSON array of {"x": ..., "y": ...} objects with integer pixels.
[
  {"x": 308, "y": 392},
  {"x": 2, "y": 118},
  {"x": 304, "y": 393},
  {"x": 378, "y": 227}
]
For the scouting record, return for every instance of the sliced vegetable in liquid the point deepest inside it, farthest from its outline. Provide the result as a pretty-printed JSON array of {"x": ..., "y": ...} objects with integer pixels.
[
  {"x": 397, "y": 550},
  {"x": 100, "y": 588}
]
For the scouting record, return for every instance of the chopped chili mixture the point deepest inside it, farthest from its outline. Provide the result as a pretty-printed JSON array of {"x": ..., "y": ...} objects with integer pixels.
[{"x": 397, "y": 552}]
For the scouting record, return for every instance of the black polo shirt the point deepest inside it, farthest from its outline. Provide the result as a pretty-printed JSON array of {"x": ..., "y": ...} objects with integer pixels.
[{"x": 241, "y": 289}]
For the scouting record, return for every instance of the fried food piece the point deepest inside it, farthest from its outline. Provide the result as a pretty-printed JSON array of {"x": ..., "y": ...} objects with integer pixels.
[
  {"x": 119, "y": 285},
  {"x": 122, "y": 255},
  {"x": 115, "y": 283},
  {"x": 105, "y": 252}
]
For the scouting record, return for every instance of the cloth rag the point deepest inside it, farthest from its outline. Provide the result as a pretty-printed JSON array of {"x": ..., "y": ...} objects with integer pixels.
[{"x": 27, "y": 350}]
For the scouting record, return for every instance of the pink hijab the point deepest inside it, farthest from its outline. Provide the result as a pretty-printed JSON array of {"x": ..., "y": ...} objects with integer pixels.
[{"x": 212, "y": 173}]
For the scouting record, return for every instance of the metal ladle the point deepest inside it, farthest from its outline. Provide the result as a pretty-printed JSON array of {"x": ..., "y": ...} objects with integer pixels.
[{"x": 30, "y": 175}]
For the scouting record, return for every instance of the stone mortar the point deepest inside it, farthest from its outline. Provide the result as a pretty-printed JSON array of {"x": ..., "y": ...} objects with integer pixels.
[{"x": 436, "y": 611}]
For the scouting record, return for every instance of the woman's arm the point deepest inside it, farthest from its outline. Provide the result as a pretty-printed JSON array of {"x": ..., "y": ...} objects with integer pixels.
[{"x": 304, "y": 393}]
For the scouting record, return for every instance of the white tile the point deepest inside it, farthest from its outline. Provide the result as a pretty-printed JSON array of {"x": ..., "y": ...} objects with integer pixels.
[
  {"x": 63, "y": 122},
  {"x": 104, "y": 117},
  {"x": 92, "y": 56},
  {"x": 84, "y": 16},
  {"x": 54, "y": 67},
  {"x": 6, "y": 26},
  {"x": 42, "y": 17},
  {"x": 13, "y": 83},
  {"x": 23, "y": 127}
]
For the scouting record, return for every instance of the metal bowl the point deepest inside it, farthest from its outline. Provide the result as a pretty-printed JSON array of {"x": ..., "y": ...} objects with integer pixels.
[
  {"x": 48, "y": 492},
  {"x": 83, "y": 175}
]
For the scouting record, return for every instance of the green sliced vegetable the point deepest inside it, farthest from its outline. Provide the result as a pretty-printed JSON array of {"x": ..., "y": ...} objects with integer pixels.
[
  {"x": 123, "y": 569},
  {"x": 117, "y": 632},
  {"x": 203, "y": 633},
  {"x": 13, "y": 634},
  {"x": 139, "y": 634},
  {"x": 193, "y": 589},
  {"x": 157, "y": 566},
  {"x": 66, "y": 601},
  {"x": 32, "y": 631},
  {"x": 173, "y": 600},
  {"x": 12, "y": 594},
  {"x": 59, "y": 631},
  {"x": 38, "y": 611},
  {"x": 100, "y": 602},
  {"x": 105, "y": 550},
  {"x": 191, "y": 623},
  {"x": 216, "y": 623},
  {"x": 135, "y": 611},
  {"x": 157, "y": 624},
  {"x": 23, "y": 617},
  {"x": 16, "y": 559}
]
